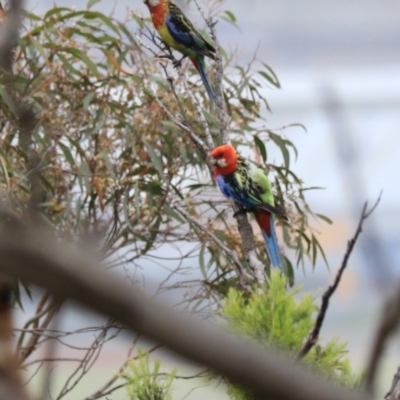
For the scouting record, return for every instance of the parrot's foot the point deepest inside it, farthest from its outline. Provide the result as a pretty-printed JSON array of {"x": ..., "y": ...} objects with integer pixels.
[
  {"x": 242, "y": 210},
  {"x": 178, "y": 63}
]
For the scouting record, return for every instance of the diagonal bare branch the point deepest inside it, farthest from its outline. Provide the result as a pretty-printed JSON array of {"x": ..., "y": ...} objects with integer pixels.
[
  {"x": 35, "y": 256},
  {"x": 244, "y": 278},
  {"x": 314, "y": 334}
]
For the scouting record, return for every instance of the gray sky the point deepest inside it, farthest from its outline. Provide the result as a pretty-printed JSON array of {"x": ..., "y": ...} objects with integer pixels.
[{"x": 294, "y": 33}]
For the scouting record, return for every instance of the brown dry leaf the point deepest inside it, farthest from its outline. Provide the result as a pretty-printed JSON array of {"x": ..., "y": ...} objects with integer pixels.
[
  {"x": 99, "y": 190},
  {"x": 116, "y": 65}
]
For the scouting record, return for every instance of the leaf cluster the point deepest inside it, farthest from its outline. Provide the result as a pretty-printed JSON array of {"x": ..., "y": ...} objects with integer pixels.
[
  {"x": 284, "y": 318},
  {"x": 108, "y": 162},
  {"x": 102, "y": 161},
  {"x": 144, "y": 383}
]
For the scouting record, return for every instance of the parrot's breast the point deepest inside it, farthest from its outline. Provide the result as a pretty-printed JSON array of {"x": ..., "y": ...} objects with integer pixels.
[
  {"x": 166, "y": 36},
  {"x": 158, "y": 15}
]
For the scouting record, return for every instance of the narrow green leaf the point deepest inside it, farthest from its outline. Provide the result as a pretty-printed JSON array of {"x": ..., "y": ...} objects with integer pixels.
[
  {"x": 289, "y": 271},
  {"x": 270, "y": 76},
  {"x": 324, "y": 218},
  {"x": 87, "y": 100},
  {"x": 312, "y": 188},
  {"x": 40, "y": 49},
  {"x": 67, "y": 154},
  {"x": 139, "y": 21},
  {"x": 7, "y": 99},
  {"x": 155, "y": 159},
  {"x": 83, "y": 57},
  {"x": 261, "y": 146},
  {"x": 91, "y": 3},
  {"x": 201, "y": 261},
  {"x": 231, "y": 16},
  {"x": 282, "y": 146},
  {"x": 314, "y": 250},
  {"x": 55, "y": 10},
  {"x": 5, "y": 172},
  {"x": 67, "y": 64}
]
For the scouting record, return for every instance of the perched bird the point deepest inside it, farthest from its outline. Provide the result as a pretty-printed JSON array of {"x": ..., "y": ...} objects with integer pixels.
[
  {"x": 178, "y": 33},
  {"x": 252, "y": 189}
]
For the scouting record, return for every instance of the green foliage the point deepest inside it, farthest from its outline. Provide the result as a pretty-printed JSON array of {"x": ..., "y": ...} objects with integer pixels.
[
  {"x": 102, "y": 158},
  {"x": 144, "y": 383},
  {"x": 284, "y": 319},
  {"x": 110, "y": 162}
]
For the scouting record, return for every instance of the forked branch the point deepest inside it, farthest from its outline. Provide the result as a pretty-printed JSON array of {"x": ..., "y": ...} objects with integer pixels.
[
  {"x": 314, "y": 335},
  {"x": 33, "y": 255}
]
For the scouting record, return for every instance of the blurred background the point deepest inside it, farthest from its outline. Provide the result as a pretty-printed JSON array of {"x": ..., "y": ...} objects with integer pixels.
[{"x": 339, "y": 67}]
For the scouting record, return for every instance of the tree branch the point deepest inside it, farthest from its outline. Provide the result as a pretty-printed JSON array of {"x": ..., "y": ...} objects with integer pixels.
[
  {"x": 196, "y": 105},
  {"x": 34, "y": 255},
  {"x": 244, "y": 278},
  {"x": 390, "y": 319},
  {"x": 244, "y": 226},
  {"x": 249, "y": 245},
  {"x": 196, "y": 140},
  {"x": 394, "y": 392},
  {"x": 218, "y": 88},
  {"x": 314, "y": 335},
  {"x": 9, "y": 35},
  {"x": 10, "y": 387}
]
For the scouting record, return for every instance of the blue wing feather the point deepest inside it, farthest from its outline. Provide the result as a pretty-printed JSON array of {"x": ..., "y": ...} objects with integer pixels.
[
  {"x": 178, "y": 34},
  {"x": 229, "y": 187},
  {"x": 224, "y": 186},
  {"x": 182, "y": 30}
]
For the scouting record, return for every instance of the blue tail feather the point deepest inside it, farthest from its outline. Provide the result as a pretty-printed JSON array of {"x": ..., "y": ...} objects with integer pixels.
[
  {"x": 272, "y": 247},
  {"x": 200, "y": 66}
]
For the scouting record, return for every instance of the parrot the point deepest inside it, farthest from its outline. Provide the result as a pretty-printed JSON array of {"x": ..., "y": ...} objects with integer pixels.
[
  {"x": 252, "y": 189},
  {"x": 178, "y": 33}
]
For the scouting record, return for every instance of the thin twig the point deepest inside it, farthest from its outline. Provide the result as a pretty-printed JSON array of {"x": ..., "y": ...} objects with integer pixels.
[
  {"x": 244, "y": 277},
  {"x": 167, "y": 53},
  {"x": 218, "y": 87},
  {"x": 390, "y": 319},
  {"x": 196, "y": 140},
  {"x": 200, "y": 115},
  {"x": 34, "y": 255},
  {"x": 170, "y": 79},
  {"x": 9, "y": 35},
  {"x": 394, "y": 392},
  {"x": 40, "y": 312},
  {"x": 49, "y": 366},
  {"x": 244, "y": 226},
  {"x": 104, "y": 390},
  {"x": 87, "y": 361},
  {"x": 314, "y": 335},
  {"x": 27, "y": 350},
  {"x": 249, "y": 245}
]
